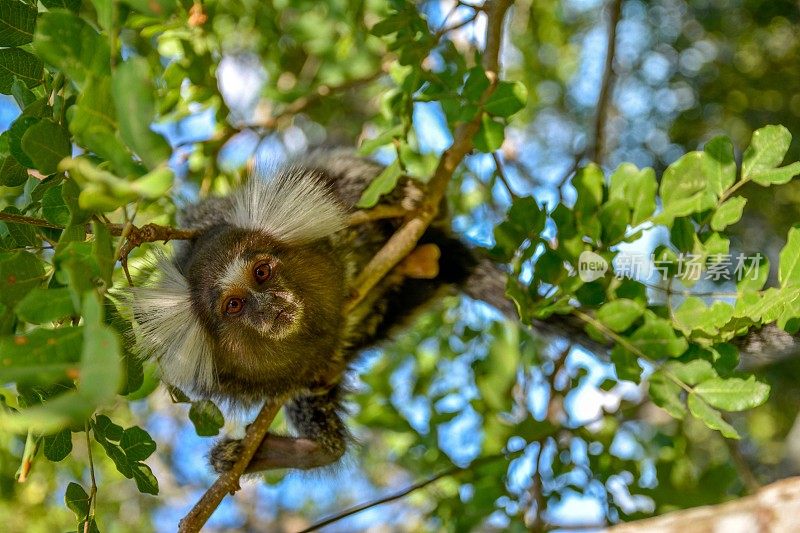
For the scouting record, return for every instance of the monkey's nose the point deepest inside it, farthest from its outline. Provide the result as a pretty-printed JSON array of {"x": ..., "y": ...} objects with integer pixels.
[{"x": 264, "y": 301}]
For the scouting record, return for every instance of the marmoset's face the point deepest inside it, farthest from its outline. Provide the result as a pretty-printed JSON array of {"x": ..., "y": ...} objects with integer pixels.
[{"x": 246, "y": 287}]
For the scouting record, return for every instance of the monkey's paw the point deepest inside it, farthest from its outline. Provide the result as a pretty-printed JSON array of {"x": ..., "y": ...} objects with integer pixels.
[{"x": 224, "y": 454}]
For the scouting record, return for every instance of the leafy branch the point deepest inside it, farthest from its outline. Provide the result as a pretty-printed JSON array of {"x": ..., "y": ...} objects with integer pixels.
[{"x": 405, "y": 238}]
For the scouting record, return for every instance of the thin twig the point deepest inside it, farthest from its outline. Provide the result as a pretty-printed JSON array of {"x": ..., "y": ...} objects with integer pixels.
[
  {"x": 749, "y": 479},
  {"x": 302, "y": 103},
  {"x": 453, "y": 471},
  {"x": 441, "y": 32},
  {"x": 501, "y": 173},
  {"x": 597, "y": 150},
  {"x": 30, "y": 221},
  {"x": 93, "y": 486},
  {"x": 228, "y": 483}
]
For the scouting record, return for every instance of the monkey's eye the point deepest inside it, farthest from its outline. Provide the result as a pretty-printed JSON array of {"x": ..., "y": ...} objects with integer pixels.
[
  {"x": 262, "y": 272},
  {"x": 233, "y": 306}
]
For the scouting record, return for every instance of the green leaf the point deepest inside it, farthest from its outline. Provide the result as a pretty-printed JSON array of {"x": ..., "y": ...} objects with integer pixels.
[
  {"x": 101, "y": 357},
  {"x": 490, "y": 135},
  {"x": 385, "y": 137},
  {"x": 693, "y": 372},
  {"x": 728, "y": 213},
  {"x": 720, "y": 164},
  {"x": 41, "y": 306},
  {"x": 665, "y": 393},
  {"x": 17, "y": 21},
  {"x": 70, "y": 192},
  {"x": 766, "y": 151},
  {"x": 154, "y": 184},
  {"x": 620, "y": 314},
  {"x": 106, "y": 429},
  {"x": 67, "y": 42},
  {"x": 120, "y": 460},
  {"x": 777, "y": 176},
  {"x": 106, "y": 14},
  {"x": 496, "y": 374},
  {"x": 384, "y": 183},
  {"x": 62, "y": 411},
  {"x": 710, "y": 417},
  {"x": 20, "y": 272},
  {"x": 525, "y": 219},
  {"x": 53, "y": 207},
  {"x": 588, "y": 183},
  {"x": 694, "y": 315},
  {"x": 137, "y": 443},
  {"x": 626, "y": 364},
  {"x": 685, "y": 188},
  {"x": 637, "y": 187},
  {"x": 789, "y": 262},
  {"x": 77, "y": 500},
  {"x": 21, "y": 65},
  {"x": 475, "y": 85},
  {"x": 613, "y": 217},
  {"x": 133, "y": 92},
  {"x": 94, "y": 123},
  {"x": 733, "y": 394},
  {"x": 105, "y": 432},
  {"x": 206, "y": 417},
  {"x": 146, "y": 482},
  {"x": 15, "y": 133},
  {"x": 656, "y": 339},
  {"x": 25, "y": 98},
  {"x": 19, "y": 235},
  {"x": 507, "y": 99},
  {"x": 72, "y": 5},
  {"x": 46, "y": 143},
  {"x": 103, "y": 250},
  {"x": 12, "y": 174},
  {"x": 44, "y": 355},
  {"x": 76, "y": 268},
  {"x": 58, "y": 446}
]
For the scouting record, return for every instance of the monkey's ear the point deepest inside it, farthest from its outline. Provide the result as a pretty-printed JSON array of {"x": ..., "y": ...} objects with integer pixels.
[
  {"x": 169, "y": 330},
  {"x": 293, "y": 206}
]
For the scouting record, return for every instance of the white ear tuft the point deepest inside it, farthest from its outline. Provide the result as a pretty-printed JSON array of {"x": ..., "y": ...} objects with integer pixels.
[
  {"x": 292, "y": 206},
  {"x": 171, "y": 332}
]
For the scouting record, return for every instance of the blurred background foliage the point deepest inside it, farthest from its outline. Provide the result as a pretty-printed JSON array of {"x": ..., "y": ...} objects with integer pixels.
[{"x": 227, "y": 84}]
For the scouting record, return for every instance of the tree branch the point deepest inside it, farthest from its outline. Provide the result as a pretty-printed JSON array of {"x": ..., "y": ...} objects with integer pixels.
[
  {"x": 136, "y": 236},
  {"x": 405, "y": 238},
  {"x": 773, "y": 508},
  {"x": 228, "y": 483},
  {"x": 607, "y": 87}
]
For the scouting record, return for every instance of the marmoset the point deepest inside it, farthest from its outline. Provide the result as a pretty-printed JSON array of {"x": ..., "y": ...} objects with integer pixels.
[{"x": 252, "y": 308}]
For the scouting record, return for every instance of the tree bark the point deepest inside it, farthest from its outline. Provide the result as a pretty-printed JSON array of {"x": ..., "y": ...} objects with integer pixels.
[{"x": 774, "y": 508}]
